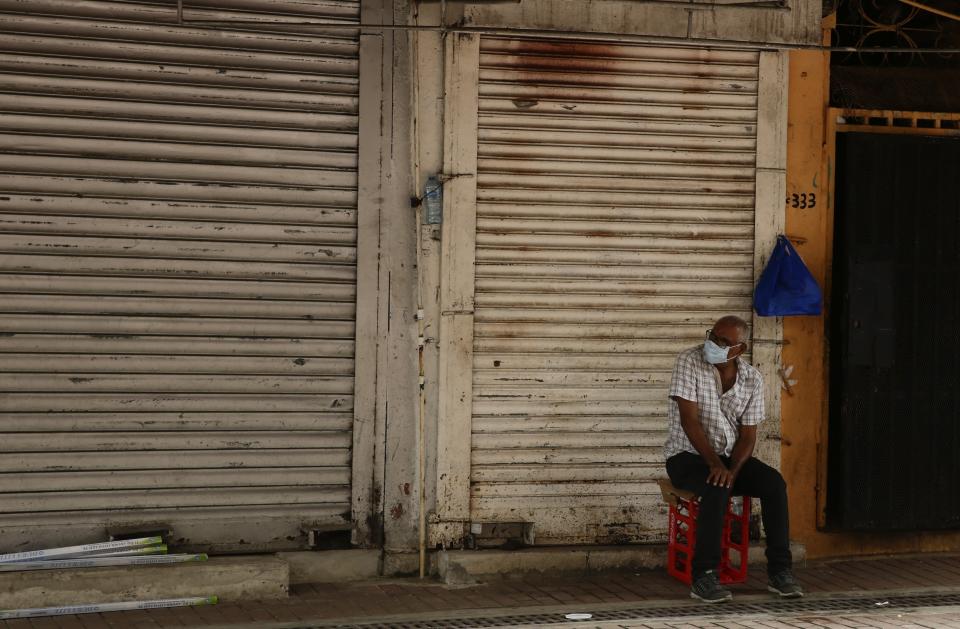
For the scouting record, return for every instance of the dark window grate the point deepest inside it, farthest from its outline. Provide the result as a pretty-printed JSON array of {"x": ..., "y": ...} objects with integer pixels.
[{"x": 895, "y": 412}]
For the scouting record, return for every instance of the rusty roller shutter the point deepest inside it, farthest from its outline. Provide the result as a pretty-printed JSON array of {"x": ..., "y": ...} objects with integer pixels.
[
  {"x": 177, "y": 269},
  {"x": 615, "y": 223}
]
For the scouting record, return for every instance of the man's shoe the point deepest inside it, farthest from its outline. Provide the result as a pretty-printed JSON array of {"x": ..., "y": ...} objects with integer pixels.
[
  {"x": 784, "y": 584},
  {"x": 707, "y": 588}
]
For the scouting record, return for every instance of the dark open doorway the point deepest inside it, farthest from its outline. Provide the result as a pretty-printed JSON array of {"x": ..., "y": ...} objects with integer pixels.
[{"x": 894, "y": 434}]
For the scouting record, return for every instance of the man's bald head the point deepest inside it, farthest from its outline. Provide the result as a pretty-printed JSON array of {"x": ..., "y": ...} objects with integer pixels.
[{"x": 732, "y": 327}]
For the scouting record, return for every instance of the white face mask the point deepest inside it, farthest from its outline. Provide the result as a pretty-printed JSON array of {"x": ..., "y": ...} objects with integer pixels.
[{"x": 714, "y": 354}]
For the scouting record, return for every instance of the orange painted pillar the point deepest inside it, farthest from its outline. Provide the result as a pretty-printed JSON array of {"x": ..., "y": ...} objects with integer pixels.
[{"x": 807, "y": 211}]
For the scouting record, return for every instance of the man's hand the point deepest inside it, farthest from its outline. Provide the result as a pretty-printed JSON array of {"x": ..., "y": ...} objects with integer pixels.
[
  {"x": 720, "y": 476},
  {"x": 690, "y": 421},
  {"x": 743, "y": 448}
]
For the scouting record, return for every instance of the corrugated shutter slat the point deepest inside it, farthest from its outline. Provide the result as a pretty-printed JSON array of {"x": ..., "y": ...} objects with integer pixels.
[
  {"x": 177, "y": 268},
  {"x": 615, "y": 223}
]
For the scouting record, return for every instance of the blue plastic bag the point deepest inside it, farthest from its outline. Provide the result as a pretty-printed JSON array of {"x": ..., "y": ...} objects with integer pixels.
[{"x": 786, "y": 286}]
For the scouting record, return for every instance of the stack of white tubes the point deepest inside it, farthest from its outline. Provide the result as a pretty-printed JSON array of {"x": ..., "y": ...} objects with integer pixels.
[{"x": 129, "y": 552}]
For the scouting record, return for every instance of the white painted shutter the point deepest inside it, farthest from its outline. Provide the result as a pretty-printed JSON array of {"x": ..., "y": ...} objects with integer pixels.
[
  {"x": 615, "y": 224},
  {"x": 177, "y": 269}
]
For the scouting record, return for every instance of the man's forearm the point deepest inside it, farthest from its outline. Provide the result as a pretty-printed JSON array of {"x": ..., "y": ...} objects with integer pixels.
[
  {"x": 698, "y": 439},
  {"x": 742, "y": 449}
]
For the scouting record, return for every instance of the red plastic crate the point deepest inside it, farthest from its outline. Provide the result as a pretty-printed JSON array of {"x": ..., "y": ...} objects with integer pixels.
[{"x": 682, "y": 539}]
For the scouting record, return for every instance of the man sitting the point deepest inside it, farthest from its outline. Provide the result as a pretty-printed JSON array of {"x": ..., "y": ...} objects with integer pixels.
[{"x": 717, "y": 403}]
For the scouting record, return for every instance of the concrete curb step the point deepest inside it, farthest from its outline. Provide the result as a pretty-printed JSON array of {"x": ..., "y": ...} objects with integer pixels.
[
  {"x": 332, "y": 566},
  {"x": 458, "y": 567},
  {"x": 230, "y": 578},
  {"x": 265, "y": 577}
]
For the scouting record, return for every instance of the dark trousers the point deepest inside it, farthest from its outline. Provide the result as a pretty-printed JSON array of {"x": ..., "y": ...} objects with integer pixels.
[{"x": 689, "y": 471}]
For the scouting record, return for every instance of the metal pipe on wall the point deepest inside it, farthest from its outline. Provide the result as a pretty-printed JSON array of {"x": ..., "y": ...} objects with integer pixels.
[{"x": 421, "y": 394}]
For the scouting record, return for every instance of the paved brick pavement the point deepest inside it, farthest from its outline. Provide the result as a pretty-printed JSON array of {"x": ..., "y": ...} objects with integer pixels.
[
  {"x": 390, "y": 597},
  {"x": 925, "y": 618}
]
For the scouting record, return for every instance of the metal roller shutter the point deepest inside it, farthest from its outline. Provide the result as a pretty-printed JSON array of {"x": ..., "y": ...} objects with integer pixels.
[
  {"x": 177, "y": 269},
  {"x": 615, "y": 223}
]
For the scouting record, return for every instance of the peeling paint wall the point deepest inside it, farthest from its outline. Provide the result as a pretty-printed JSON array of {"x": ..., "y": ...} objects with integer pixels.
[
  {"x": 427, "y": 48},
  {"x": 398, "y": 368},
  {"x": 797, "y": 21}
]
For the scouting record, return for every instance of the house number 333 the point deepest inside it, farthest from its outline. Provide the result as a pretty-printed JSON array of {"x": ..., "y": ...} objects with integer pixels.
[{"x": 802, "y": 200}]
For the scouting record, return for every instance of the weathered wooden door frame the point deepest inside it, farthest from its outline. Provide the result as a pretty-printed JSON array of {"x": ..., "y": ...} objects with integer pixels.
[{"x": 850, "y": 120}]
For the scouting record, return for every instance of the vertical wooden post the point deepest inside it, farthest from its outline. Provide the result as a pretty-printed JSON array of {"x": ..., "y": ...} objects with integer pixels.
[
  {"x": 457, "y": 288},
  {"x": 768, "y": 223},
  {"x": 367, "y": 495},
  {"x": 829, "y": 194}
]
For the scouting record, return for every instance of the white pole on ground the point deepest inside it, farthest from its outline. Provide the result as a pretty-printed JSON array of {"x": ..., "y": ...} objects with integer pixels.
[
  {"x": 97, "y": 562},
  {"x": 146, "y": 550},
  {"x": 76, "y": 551},
  {"x": 10, "y": 614}
]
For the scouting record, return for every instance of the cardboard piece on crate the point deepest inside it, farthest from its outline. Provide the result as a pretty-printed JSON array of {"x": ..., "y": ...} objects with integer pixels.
[{"x": 671, "y": 494}]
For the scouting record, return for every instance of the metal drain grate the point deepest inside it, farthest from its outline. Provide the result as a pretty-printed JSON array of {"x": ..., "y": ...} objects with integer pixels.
[{"x": 791, "y": 606}]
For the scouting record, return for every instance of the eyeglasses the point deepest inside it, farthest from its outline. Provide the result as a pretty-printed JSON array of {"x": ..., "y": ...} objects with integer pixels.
[{"x": 721, "y": 342}]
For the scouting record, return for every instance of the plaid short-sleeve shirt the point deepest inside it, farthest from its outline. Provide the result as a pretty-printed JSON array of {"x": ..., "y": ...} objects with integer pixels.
[{"x": 721, "y": 414}]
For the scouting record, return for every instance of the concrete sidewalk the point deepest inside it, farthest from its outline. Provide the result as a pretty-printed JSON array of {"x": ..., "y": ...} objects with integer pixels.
[{"x": 397, "y": 600}]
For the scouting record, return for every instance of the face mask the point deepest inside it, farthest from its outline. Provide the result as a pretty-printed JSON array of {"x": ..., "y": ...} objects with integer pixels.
[{"x": 714, "y": 354}]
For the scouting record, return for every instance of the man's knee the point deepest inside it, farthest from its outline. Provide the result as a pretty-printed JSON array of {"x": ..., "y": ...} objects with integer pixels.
[
  {"x": 766, "y": 481},
  {"x": 714, "y": 495},
  {"x": 774, "y": 484}
]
